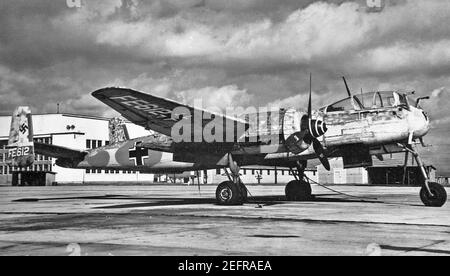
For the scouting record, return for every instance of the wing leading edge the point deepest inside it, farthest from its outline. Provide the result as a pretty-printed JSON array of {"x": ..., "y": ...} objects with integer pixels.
[{"x": 160, "y": 114}]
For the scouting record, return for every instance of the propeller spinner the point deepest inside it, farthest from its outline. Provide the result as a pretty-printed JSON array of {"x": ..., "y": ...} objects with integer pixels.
[
  {"x": 316, "y": 128},
  {"x": 310, "y": 130}
]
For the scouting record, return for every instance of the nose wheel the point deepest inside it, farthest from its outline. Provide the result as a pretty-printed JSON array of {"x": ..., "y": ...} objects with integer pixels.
[
  {"x": 432, "y": 194},
  {"x": 437, "y": 198}
]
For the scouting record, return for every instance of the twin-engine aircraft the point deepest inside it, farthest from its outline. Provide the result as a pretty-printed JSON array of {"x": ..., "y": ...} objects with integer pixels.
[{"x": 192, "y": 139}]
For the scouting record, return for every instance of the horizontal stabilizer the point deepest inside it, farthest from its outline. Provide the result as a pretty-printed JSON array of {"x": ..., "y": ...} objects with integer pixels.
[{"x": 58, "y": 151}]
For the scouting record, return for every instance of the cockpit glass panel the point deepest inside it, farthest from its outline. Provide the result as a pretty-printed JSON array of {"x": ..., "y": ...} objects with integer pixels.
[
  {"x": 369, "y": 100},
  {"x": 346, "y": 105},
  {"x": 342, "y": 105}
]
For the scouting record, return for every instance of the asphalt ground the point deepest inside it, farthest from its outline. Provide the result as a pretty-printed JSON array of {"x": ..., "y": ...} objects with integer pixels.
[{"x": 180, "y": 220}]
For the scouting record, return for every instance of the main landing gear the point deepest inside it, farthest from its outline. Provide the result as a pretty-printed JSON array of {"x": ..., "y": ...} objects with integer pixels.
[
  {"x": 432, "y": 194},
  {"x": 299, "y": 189},
  {"x": 233, "y": 191}
]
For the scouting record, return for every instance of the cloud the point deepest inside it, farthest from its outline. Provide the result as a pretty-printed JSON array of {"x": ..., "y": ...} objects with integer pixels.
[
  {"x": 245, "y": 52},
  {"x": 437, "y": 93},
  {"x": 216, "y": 98}
]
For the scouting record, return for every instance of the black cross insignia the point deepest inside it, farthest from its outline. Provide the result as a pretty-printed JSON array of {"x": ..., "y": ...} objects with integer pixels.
[{"x": 138, "y": 154}]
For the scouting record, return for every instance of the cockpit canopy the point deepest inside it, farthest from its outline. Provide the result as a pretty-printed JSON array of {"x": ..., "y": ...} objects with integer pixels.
[{"x": 371, "y": 100}]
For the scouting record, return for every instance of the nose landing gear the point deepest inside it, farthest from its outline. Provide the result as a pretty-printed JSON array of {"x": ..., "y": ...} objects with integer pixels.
[
  {"x": 432, "y": 194},
  {"x": 437, "y": 198}
]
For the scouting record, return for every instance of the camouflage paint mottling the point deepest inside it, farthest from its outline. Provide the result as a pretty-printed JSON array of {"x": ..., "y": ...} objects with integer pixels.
[
  {"x": 98, "y": 159},
  {"x": 122, "y": 155}
]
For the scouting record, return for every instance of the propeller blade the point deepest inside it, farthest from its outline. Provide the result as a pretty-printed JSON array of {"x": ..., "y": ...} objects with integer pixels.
[
  {"x": 320, "y": 152},
  {"x": 310, "y": 92}
]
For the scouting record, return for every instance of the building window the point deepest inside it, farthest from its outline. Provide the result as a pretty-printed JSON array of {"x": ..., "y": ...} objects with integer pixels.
[
  {"x": 282, "y": 172},
  {"x": 260, "y": 172},
  {"x": 99, "y": 171},
  {"x": 99, "y": 143},
  {"x": 88, "y": 143},
  {"x": 217, "y": 171},
  {"x": 88, "y": 171},
  {"x": 268, "y": 172},
  {"x": 253, "y": 172},
  {"x": 245, "y": 171},
  {"x": 106, "y": 143}
]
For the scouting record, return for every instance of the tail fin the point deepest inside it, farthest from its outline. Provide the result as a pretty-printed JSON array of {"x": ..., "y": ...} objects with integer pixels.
[
  {"x": 117, "y": 131},
  {"x": 20, "y": 144}
]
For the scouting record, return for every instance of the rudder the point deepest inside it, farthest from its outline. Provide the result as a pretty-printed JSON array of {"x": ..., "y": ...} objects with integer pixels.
[{"x": 20, "y": 144}]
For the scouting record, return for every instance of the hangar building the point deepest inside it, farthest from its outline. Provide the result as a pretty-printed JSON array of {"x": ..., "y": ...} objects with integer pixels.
[
  {"x": 85, "y": 132},
  {"x": 72, "y": 131}
]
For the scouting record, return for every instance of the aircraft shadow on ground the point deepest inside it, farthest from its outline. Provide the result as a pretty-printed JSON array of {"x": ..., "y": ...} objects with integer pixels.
[{"x": 269, "y": 200}]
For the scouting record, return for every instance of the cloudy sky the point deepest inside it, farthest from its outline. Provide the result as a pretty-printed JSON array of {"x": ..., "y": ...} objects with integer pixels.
[{"x": 233, "y": 52}]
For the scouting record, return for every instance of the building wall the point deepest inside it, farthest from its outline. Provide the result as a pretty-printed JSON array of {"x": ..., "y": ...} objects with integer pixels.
[
  {"x": 262, "y": 175},
  {"x": 339, "y": 175}
]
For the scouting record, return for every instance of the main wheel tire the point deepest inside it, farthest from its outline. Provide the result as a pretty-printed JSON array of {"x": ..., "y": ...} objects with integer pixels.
[
  {"x": 229, "y": 193},
  {"x": 244, "y": 193},
  {"x": 298, "y": 190},
  {"x": 439, "y": 197}
]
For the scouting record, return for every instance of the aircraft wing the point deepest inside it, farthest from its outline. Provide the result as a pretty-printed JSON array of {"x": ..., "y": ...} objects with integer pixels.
[
  {"x": 57, "y": 151},
  {"x": 161, "y": 114}
]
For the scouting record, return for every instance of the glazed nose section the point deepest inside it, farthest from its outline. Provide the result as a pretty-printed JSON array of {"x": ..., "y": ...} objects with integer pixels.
[
  {"x": 420, "y": 124},
  {"x": 427, "y": 121}
]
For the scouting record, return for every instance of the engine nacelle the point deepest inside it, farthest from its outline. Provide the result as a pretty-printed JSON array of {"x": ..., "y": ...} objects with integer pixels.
[{"x": 299, "y": 130}]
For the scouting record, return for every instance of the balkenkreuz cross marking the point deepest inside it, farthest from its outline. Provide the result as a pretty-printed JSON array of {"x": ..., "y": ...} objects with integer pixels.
[{"x": 138, "y": 155}]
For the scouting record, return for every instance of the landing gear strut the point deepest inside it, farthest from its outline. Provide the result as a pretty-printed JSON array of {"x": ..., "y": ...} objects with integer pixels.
[
  {"x": 299, "y": 189},
  {"x": 432, "y": 194},
  {"x": 233, "y": 191}
]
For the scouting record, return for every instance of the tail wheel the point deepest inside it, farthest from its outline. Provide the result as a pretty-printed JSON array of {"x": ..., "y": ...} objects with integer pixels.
[
  {"x": 298, "y": 190},
  {"x": 439, "y": 197},
  {"x": 229, "y": 193}
]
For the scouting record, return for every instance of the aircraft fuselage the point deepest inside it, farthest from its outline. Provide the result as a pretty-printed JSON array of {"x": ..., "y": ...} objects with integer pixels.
[{"x": 378, "y": 129}]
